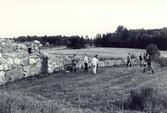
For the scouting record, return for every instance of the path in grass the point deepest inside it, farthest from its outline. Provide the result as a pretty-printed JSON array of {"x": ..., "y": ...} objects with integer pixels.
[{"x": 96, "y": 92}]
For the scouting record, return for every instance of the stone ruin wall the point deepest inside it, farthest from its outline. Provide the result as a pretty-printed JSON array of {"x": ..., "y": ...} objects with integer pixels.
[
  {"x": 16, "y": 62},
  {"x": 57, "y": 62}
]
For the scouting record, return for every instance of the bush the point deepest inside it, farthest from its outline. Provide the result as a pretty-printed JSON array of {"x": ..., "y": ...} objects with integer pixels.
[
  {"x": 137, "y": 100},
  {"x": 152, "y": 50},
  {"x": 145, "y": 100}
]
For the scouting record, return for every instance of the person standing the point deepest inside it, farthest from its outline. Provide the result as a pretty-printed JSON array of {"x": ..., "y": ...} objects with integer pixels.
[
  {"x": 129, "y": 60},
  {"x": 74, "y": 63},
  {"x": 95, "y": 64},
  {"x": 86, "y": 63},
  {"x": 148, "y": 65},
  {"x": 144, "y": 60},
  {"x": 140, "y": 60},
  {"x": 144, "y": 56}
]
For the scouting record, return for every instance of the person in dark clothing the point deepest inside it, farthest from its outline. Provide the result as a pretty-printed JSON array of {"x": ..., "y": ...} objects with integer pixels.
[
  {"x": 144, "y": 57},
  {"x": 140, "y": 60},
  {"x": 86, "y": 63},
  {"x": 129, "y": 60},
  {"x": 148, "y": 65},
  {"x": 74, "y": 63},
  {"x": 144, "y": 60}
]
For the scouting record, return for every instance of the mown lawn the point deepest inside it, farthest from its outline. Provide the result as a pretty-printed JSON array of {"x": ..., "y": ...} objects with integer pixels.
[{"x": 88, "y": 92}]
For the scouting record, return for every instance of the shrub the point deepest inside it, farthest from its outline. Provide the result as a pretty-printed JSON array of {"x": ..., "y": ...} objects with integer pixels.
[
  {"x": 145, "y": 100},
  {"x": 152, "y": 50},
  {"x": 137, "y": 100}
]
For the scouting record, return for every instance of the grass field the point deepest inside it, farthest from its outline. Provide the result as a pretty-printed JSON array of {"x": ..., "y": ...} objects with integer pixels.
[
  {"x": 87, "y": 92},
  {"x": 103, "y": 52},
  {"x": 112, "y": 90}
]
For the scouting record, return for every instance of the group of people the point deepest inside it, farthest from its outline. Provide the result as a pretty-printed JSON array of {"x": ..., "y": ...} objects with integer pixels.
[
  {"x": 145, "y": 61},
  {"x": 87, "y": 64}
]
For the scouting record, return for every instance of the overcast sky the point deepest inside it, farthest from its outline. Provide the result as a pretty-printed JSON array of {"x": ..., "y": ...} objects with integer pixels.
[{"x": 78, "y": 17}]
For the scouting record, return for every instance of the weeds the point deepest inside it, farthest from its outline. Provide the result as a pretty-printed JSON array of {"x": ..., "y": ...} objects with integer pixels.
[
  {"x": 144, "y": 100},
  {"x": 18, "y": 103},
  {"x": 107, "y": 92}
]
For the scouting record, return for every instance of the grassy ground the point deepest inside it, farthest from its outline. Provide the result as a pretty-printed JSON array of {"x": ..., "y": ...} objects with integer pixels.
[
  {"x": 86, "y": 92},
  {"x": 103, "y": 52},
  {"x": 112, "y": 90}
]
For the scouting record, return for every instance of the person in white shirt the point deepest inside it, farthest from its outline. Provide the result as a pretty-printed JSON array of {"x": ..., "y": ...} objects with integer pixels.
[
  {"x": 95, "y": 63},
  {"x": 86, "y": 63}
]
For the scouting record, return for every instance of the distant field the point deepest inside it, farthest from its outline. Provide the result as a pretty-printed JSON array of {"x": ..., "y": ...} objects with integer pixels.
[{"x": 103, "y": 52}]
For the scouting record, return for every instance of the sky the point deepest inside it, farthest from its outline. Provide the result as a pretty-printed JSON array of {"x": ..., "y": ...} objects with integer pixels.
[{"x": 78, "y": 17}]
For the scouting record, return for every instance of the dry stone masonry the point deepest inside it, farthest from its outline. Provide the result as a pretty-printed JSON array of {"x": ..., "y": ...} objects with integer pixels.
[
  {"x": 16, "y": 62},
  {"x": 57, "y": 62},
  {"x": 20, "y": 60}
]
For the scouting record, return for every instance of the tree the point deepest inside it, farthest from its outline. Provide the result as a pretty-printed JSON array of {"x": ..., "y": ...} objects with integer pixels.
[
  {"x": 122, "y": 33},
  {"x": 75, "y": 42},
  {"x": 97, "y": 40}
]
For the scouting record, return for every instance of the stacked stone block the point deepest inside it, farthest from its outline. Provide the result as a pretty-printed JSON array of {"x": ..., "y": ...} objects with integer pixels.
[{"x": 16, "y": 63}]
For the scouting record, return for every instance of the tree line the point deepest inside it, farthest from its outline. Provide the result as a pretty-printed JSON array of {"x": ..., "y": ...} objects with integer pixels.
[
  {"x": 122, "y": 37},
  {"x": 74, "y": 42},
  {"x": 134, "y": 38}
]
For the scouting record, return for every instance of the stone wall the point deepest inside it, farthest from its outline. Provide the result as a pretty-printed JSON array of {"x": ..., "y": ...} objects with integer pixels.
[
  {"x": 16, "y": 62},
  {"x": 59, "y": 62}
]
